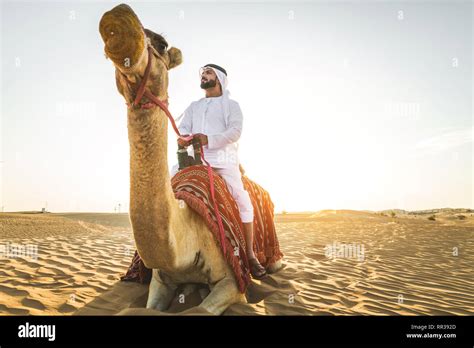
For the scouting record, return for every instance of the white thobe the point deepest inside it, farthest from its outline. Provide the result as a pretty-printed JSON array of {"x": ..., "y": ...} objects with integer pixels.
[{"x": 206, "y": 116}]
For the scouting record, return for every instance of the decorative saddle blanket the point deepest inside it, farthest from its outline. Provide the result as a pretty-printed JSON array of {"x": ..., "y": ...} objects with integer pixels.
[{"x": 192, "y": 186}]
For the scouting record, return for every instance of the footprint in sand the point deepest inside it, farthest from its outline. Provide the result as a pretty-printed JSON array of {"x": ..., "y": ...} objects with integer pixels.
[
  {"x": 12, "y": 291},
  {"x": 14, "y": 311},
  {"x": 29, "y": 302},
  {"x": 66, "y": 308}
]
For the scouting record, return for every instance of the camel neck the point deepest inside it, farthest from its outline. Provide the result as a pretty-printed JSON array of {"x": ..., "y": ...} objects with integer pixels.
[{"x": 151, "y": 196}]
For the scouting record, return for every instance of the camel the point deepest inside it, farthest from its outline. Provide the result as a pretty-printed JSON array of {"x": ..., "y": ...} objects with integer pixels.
[{"x": 171, "y": 238}]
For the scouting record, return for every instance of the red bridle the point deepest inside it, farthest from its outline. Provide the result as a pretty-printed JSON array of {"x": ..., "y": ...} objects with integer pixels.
[{"x": 154, "y": 101}]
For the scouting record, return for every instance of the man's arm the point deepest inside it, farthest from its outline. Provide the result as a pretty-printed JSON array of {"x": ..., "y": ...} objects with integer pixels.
[
  {"x": 233, "y": 132},
  {"x": 186, "y": 123}
]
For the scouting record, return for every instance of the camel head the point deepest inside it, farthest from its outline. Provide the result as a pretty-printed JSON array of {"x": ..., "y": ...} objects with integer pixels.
[{"x": 126, "y": 45}]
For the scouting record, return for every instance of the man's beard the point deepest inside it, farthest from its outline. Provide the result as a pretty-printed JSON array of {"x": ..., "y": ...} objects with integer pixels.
[{"x": 208, "y": 84}]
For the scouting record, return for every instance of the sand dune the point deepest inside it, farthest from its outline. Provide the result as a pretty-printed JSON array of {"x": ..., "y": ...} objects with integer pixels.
[{"x": 336, "y": 263}]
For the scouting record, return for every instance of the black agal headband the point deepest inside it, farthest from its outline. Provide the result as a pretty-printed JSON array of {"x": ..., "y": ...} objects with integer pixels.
[{"x": 216, "y": 67}]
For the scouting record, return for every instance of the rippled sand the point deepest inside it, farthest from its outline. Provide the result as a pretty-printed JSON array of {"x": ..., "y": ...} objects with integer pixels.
[
  {"x": 76, "y": 261},
  {"x": 403, "y": 265}
]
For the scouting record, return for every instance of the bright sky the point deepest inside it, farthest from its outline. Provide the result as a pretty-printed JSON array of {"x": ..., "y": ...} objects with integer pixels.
[{"x": 357, "y": 105}]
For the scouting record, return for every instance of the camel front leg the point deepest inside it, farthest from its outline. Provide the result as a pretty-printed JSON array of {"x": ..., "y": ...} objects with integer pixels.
[
  {"x": 223, "y": 294},
  {"x": 160, "y": 294}
]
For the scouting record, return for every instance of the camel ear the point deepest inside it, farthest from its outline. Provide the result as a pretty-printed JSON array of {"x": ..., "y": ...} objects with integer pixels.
[{"x": 176, "y": 58}]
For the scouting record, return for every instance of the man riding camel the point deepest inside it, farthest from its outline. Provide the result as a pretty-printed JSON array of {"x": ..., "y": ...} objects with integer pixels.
[{"x": 216, "y": 120}]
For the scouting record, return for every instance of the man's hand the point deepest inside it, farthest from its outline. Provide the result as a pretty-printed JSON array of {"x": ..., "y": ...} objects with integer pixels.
[
  {"x": 202, "y": 138},
  {"x": 182, "y": 142}
]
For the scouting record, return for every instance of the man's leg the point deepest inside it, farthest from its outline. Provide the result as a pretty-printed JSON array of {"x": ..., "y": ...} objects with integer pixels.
[
  {"x": 257, "y": 270},
  {"x": 248, "y": 230},
  {"x": 233, "y": 181}
]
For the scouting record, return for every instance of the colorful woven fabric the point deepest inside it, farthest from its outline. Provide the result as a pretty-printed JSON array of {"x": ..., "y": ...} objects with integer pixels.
[{"x": 192, "y": 186}]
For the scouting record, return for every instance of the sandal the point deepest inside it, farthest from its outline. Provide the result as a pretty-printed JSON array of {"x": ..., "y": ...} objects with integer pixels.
[{"x": 256, "y": 269}]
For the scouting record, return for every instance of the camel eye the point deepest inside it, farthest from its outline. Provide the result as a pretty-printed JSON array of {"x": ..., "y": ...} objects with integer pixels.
[{"x": 162, "y": 47}]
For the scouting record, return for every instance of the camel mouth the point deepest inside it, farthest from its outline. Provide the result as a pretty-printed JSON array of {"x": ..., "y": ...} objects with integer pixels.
[
  {"x": 123, "y": 35},
  {"x": 114, "y": 41}
]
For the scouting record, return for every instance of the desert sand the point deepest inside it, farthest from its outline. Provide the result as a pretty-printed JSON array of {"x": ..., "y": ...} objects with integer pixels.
[{"x": 336, "y": 263}]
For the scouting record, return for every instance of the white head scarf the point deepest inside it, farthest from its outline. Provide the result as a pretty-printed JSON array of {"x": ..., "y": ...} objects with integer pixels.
[{"x": 225, "y": 93}]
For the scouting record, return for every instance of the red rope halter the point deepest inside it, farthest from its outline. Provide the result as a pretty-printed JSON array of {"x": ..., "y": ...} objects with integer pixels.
[{"x": 154, "y": 101}]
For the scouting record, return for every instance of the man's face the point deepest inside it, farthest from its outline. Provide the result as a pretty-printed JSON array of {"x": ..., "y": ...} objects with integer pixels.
[{"x": 208, "y": 78}]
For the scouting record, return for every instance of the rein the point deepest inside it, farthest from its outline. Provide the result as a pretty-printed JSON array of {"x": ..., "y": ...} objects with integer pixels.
[{"x": 163, "y": 105}]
